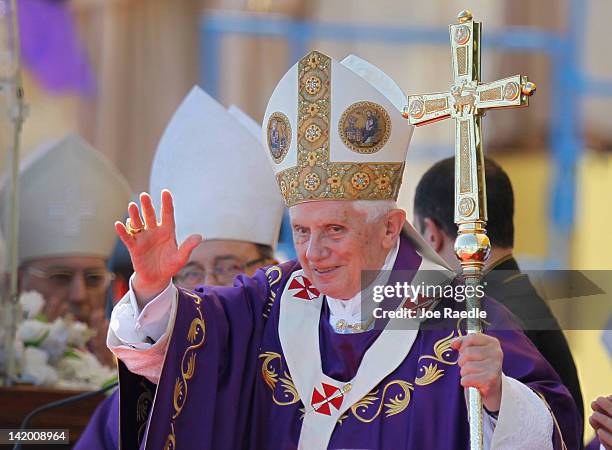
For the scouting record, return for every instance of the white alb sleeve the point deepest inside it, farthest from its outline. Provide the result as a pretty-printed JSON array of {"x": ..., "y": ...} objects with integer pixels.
[
  {"x": 140, "y": 339},
  {"x": 523, "y": 422}
]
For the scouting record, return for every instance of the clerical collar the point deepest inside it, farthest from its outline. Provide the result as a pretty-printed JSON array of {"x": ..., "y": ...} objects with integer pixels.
[{"x": 345, "y": 315}]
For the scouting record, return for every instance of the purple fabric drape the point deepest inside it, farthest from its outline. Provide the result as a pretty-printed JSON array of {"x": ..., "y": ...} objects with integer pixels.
[{"x": 51, "y": 49}]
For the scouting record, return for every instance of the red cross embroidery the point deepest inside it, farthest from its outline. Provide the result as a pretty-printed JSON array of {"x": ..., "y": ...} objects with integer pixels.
[
  {"x": 305, "y": 289},
  {"x": 420, "y": 302},
  {"x": 332, "y": 395}
]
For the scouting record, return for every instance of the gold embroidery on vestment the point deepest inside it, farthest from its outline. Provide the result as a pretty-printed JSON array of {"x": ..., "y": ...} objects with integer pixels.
[
  {"x": 442, "y": 350},
  {"x": 430, "y": 373},
  {"x": 171, "y": 439},
  {"x": 273, "y": 274},
  {"x": 196, "y": 336},
  {"x": 271, "y": 378},
  {"x": 395, "y": 405},
  {"x": 143, "y": 408}
]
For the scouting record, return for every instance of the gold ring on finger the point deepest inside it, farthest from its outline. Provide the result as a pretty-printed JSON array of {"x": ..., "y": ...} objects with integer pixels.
[{"x": 132, "y": 230}]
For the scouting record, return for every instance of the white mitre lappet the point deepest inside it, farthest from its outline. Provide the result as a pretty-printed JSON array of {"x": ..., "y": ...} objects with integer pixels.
[
  {"x": 212, "y": 161},
  {"x": 71, "y": 195}
]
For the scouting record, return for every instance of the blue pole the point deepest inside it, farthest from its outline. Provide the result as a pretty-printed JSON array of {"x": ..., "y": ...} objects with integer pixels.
[
  {"x": 566, "y": 130},
  {"x": 210, "y": 59}
]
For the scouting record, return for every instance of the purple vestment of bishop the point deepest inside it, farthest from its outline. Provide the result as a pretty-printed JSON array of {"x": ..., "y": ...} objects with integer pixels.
[{"x": 102, "y": 432}]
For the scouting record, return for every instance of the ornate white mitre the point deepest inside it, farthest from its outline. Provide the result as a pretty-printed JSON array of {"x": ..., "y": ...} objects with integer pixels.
[
  {"x": 71, "y": 195},
  {"x": 212, "y": 161},
  {"x": 335, "y": 131}
]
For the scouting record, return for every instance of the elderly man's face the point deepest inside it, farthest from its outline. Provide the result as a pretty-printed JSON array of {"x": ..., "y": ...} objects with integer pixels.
[
  {"x": 217, "y": 262},
  {"x": 335, "y": 244},
  {"x": 71, "y": 284}
]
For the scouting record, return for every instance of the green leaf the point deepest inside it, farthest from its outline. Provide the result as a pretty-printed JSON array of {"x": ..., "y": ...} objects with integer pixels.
[{"x": 37, "y": 342}]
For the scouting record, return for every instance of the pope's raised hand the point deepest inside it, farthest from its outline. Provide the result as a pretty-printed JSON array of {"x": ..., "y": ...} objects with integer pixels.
[{"x": 156, "y": 256}]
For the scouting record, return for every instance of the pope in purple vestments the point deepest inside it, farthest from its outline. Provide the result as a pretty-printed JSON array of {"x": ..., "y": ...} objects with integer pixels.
[
  {"x": 279, "y": 361},
  {"x": 225, "y": 383}
]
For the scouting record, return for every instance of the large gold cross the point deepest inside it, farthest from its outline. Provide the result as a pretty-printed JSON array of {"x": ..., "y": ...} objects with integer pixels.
[{"x": 466, "y": 102}]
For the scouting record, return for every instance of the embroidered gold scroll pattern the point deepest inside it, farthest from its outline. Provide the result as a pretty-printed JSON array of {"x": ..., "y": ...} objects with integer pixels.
[
  {"x": 196, "y": 336},
  {"x": 171, "y": 439},
  {"x": 442, "y": 354},
  {"x": 395, "y": 405},
  {"x": 429, "y": 373},
  {"x": 289, "y": 394},
  {"x": 143, "y": 407},
  {"x": 273, "y": 274}
]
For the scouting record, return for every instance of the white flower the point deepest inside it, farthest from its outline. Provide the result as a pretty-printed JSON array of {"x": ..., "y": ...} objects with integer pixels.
[
  {"x": 31, "y": 303},
  {"x": 35, "y": 368},
  {"x": 56, "y": 342},
  {"x": 79, "y": 334},
  {"x": 80, "y": 368},
  {"x": 35, "y": 356},
  {"x": 33, "y": 332},
  {"x": 48, "y": 354}
]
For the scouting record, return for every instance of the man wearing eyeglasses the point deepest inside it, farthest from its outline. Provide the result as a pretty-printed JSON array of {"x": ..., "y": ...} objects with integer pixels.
[
  {"x": 236, "y": 241},
  {"x": 70, "y": 193},
  {"x": 187, "y": 162},
  {"x": 71, "y": 285},
  {"x": 218, "y": 262}
]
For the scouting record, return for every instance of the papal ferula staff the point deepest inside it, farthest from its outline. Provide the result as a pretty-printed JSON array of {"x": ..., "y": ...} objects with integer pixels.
[
  {"x": 284, "y": 359},
  {"x": 466, "y": 102}
]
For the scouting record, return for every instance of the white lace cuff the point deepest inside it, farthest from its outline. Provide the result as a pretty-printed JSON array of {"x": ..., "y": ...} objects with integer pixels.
[
  {"x": 524, "y": 422},
  {"x": 140, "y": 339}
]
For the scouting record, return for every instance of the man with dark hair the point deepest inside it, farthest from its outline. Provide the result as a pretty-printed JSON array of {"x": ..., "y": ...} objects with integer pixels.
[
  {"x": 434, "y": 210},
  {"x": 434, "y": 217}
]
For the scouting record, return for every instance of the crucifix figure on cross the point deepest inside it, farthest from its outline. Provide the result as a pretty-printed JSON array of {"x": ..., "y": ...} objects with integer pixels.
[{"x": 466, "y": 102}]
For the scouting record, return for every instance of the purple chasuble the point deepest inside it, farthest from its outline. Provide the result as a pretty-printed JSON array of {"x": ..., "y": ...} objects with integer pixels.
[
  {"x": 225, "y": 383},
  {"x": 102, "y": 432}
]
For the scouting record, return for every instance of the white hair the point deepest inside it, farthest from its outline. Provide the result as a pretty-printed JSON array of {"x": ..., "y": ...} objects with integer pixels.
[{"x": 374, "y": 209}]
